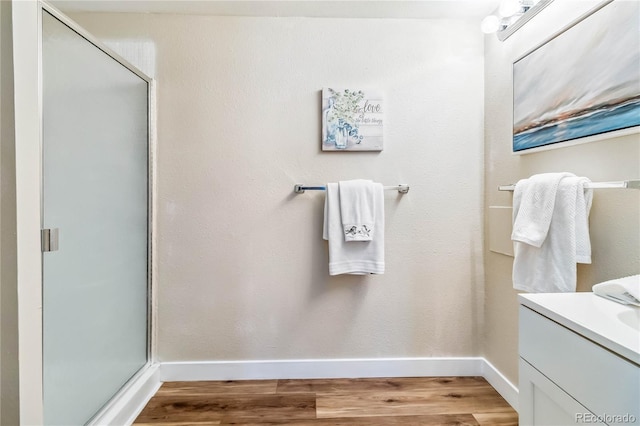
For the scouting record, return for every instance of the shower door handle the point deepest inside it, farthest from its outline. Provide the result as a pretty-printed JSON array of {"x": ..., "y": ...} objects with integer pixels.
[{"x": 50, "y": 239}]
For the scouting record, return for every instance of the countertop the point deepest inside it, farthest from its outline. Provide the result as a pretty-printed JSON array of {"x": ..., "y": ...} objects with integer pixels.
[{"x": 609, "y": 324}]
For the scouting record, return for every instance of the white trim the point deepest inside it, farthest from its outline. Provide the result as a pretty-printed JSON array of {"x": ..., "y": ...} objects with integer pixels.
[
  {"x": 26, "y": 60},
  {"x": 500, "y": 383},
  {"x": 124, "y": 409},
  {"x": 320, "y": 368},
  {"x": 129, "y": 402},
  {"x": 152, "y": 340},
  {"x": 340, "y": 368}
]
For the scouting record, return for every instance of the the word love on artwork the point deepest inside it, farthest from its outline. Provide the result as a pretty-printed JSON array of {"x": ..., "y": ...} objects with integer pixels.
[{"x": 352, "y": 120}]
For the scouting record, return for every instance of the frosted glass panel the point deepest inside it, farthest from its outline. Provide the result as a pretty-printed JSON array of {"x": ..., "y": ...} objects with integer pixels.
[{"x": 95, "y": 192}]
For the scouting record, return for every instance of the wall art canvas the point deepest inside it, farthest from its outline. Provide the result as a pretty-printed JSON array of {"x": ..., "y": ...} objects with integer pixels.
[
  {"x": 352, "y": 120},
  {"x": 583, "y": 82}
]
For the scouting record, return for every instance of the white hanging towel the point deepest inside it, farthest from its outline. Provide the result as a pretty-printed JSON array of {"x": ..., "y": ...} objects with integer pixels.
[
  {"x": 534, "y": 200},
  {"x": 360, "y": 257},
  {"x": 550, "y": 232},
  {"x": 357, "y": 209}
]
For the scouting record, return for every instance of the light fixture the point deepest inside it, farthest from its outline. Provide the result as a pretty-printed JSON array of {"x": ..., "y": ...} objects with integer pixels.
[
  {"x": 511, "y": 15},
  {"x": 508, "y": 8},
  {"x": 490, "y": 24}
]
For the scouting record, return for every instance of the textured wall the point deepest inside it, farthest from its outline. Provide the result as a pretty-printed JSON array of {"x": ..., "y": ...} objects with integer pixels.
[
  {"x": 615, "y": 215},
  {"x": 242, "y": 268}
]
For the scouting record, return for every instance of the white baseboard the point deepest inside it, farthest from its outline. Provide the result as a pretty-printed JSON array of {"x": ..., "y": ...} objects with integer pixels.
[
  {"x": 500, "y": 383},
  {"x": 129, "y": 402},
  {"x": 320, "y": 368},
  {"x": 340, "y": 368},
  {"x": 125, "y": 407}
]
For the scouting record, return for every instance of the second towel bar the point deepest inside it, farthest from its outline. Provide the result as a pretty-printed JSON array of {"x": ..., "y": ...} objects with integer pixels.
[
  {"x": 299, "y": 188},
  {"x": 623, "y": 184}
]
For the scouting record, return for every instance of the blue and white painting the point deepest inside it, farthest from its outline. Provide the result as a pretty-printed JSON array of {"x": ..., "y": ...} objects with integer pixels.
[
  {"x": 352, "y": 120},
  {"x": 584, "y": 82}
]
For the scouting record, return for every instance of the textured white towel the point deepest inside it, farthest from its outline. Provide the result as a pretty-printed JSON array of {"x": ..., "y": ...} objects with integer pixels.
[
  {"x": 534, "y": 200},
  {"x": 357, "y": 209},
  {"x": 366, "y": 257},
  {"x": 622, "y": 290},
  {"x": 551, "y": 267}
]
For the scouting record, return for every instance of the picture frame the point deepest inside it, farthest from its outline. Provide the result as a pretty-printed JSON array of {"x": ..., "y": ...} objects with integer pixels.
[
  {"x": 352, "y": 120},
  {"x": 582, "y": 84}
]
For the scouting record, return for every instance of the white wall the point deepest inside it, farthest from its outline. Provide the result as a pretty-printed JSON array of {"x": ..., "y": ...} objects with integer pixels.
[
  {"x": 615, "y": 215},
  {"x": 242, "y": 268}
]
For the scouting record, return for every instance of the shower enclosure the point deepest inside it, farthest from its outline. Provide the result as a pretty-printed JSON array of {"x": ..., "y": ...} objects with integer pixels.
[{"x": 95, "y": 221}]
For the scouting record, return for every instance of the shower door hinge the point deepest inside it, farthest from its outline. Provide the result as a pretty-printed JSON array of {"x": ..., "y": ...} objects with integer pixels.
[{"x": 49, "y": 239}]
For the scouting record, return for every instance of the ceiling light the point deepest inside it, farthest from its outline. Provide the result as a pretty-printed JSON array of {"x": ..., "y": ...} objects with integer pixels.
[
  {"x": 509, "y": 7},
  {"x": 490, "y": 24},
  {"x": 510, "y": 16}
]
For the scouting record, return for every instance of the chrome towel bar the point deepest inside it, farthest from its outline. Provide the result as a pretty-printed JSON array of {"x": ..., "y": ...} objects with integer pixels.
[
  {"x": 299, "y": 188},
  {"x": 623, "y": 184}
]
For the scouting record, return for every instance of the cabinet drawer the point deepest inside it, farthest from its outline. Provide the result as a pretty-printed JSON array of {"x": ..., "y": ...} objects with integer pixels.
[
  {"x": 543, "y": 403},
  {"x": 602, "y": 381}
]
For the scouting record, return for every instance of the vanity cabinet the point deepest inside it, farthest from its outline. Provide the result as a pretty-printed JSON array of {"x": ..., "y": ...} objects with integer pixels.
[{"x": 567, "y": 379}]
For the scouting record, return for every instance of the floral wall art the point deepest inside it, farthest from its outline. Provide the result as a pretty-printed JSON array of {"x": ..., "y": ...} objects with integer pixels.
[
  {"x": 351, "y": 120},
  {"x": 583, "y": 82}
]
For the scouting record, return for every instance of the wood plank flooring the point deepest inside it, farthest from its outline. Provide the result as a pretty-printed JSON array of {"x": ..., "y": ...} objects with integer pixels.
[{"x": 409, "y": 401}]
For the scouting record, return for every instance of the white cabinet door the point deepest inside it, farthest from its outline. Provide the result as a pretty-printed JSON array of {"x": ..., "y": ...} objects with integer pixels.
[{"x": 542, "y": 403}]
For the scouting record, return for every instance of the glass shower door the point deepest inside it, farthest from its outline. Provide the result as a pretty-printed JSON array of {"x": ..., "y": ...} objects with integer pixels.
[{"x": 95, "y": 192}]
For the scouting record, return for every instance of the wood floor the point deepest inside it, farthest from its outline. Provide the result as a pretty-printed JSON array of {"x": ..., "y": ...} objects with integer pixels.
[{"x": 338, "y": 402}]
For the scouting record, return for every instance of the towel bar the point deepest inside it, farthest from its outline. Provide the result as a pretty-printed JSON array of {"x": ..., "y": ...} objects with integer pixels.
[
  {"x": 623, "y": 184},
  {"x": 299, "y": 188}
]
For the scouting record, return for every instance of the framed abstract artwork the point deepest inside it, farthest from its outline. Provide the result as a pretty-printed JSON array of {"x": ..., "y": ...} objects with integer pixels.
[
  {"x": 352, "y": 120},
  {"x": 582, "y": 82}
]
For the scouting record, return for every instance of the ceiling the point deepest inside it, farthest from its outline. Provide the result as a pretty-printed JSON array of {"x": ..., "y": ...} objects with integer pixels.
[{"x": 416, "y": 9}]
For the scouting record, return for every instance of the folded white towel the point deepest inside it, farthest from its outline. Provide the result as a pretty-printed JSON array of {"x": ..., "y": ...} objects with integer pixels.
[
  {"x": 551, "y": 266},
  {"x": 534, "y": 200},
  {"x": 622, "y": 290},
  {"x": 357, "y": 209},
  {"x": 366, "y": 257}
]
